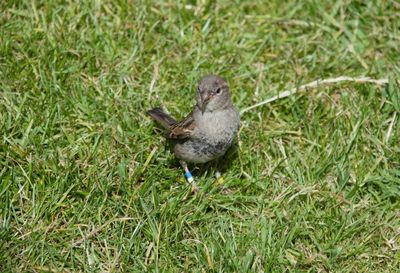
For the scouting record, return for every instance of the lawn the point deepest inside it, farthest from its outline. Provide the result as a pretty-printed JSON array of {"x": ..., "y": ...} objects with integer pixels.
[{"x": 87, "y": 183}]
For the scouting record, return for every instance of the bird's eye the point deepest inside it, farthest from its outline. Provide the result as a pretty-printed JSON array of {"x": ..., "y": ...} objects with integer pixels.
[{"x": 218, "y": 91}]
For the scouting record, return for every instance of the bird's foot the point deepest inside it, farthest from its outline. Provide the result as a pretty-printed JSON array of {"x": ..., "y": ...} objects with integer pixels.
[
  {"x": 219, "y": 178},
  {"x": 220, "y": 181}
]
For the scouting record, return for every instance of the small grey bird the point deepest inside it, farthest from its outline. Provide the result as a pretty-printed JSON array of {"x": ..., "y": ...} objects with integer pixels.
[{"x": 209, "y": 130}]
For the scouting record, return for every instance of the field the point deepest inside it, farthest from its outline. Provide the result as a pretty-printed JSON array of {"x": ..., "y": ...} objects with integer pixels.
[{"x": 88, "y": 184}]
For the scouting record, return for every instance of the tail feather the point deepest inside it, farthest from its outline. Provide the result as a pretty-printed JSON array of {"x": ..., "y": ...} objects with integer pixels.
[{"x": 164, "y": 119}]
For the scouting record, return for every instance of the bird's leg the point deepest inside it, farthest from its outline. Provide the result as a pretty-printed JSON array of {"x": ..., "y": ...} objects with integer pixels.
[
  {"x": 218, "y": 176},
  {"x": 189, "y": 176}
]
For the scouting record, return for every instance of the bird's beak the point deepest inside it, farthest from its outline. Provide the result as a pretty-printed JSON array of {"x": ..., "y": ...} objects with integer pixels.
[{"x": 205, "y": 98}]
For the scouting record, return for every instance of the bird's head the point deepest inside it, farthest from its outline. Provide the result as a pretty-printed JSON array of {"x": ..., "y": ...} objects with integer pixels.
[{"x": 213, "y": 94}]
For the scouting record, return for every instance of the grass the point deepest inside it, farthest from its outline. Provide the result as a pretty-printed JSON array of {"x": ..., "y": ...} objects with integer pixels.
[{"x": 87, "y": 185}]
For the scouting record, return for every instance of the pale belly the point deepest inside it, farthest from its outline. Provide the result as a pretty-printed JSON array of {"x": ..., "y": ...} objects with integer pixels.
[
  {"x": 200, "y": 150},
  {"x": 215, "y": 133}
]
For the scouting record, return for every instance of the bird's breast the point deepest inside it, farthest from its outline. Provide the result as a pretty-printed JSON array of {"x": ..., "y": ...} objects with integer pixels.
[
  {"x": 214, "y": 133},
  {"x": 218, "y": 126}
]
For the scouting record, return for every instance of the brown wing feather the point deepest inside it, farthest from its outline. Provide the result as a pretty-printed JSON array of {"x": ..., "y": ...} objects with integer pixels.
[
  {"x": 164, "y": 119},
  {"x": 182, "y": 129}
]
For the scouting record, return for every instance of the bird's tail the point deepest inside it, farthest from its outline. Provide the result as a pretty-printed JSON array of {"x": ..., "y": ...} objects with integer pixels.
[{"x": 164, "y": 119}]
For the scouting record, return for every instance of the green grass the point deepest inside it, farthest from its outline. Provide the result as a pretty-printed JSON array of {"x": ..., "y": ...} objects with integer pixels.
[{"x": 313, "y": 187}]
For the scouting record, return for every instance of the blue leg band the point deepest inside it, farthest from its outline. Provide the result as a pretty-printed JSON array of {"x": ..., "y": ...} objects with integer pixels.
[{"x": 189, "y": 177}]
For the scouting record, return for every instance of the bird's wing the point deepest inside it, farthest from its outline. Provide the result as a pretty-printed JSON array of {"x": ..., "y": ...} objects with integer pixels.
[
  {"x": 164, "y": 119},
  {"x": 183, "y": 128}
]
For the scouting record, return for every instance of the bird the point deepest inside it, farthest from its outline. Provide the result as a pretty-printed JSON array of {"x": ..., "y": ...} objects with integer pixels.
[{"x": 208, "y": 130}]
